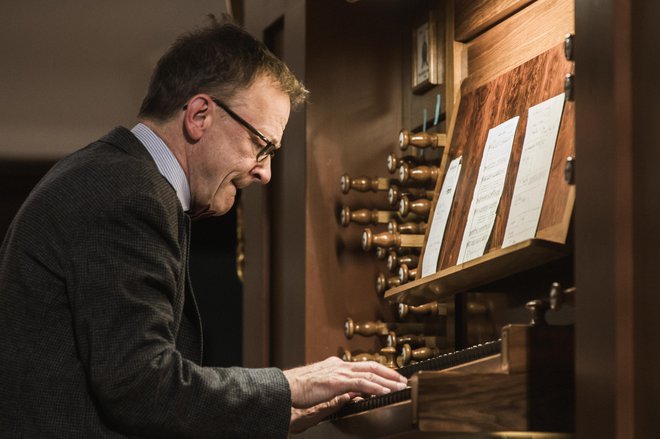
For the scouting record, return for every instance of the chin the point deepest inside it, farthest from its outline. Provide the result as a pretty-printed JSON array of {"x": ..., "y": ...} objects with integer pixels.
[{"x": 224, "y": 206}]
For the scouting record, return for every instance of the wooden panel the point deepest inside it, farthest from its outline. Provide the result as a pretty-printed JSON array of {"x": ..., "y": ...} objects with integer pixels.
[
  {"x": 474, "y": 17},
  {"x": 353, "y": 121},
  {"x": 532, "y": 31},
  {"x": 488, "y": 268},
  {"x": 484, "y": 108}
]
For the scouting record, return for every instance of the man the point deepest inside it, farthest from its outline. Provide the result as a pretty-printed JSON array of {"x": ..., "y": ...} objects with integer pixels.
[{"x": 99, "y": 331}]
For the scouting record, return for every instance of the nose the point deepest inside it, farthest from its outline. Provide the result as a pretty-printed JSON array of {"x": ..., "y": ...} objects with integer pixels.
[{"x": 261, "y": 172}]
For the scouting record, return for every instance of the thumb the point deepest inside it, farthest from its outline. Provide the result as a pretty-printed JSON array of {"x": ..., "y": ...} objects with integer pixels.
[{"x": 302, "y": 419}]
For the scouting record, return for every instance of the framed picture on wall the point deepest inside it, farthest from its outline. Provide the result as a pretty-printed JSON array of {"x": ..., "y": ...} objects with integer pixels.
[{"x": 425, "y": 55}]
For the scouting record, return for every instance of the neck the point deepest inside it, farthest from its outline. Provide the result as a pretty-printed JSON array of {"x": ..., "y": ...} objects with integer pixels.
[{"x": 172, "y": 138}]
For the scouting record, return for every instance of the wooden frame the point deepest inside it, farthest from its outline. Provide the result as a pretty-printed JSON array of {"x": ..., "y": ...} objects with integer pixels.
[{"x": 425, "y": 54}]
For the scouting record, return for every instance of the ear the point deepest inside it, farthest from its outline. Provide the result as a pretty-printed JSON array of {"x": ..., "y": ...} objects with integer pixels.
[{"x": 197, "y": 117}]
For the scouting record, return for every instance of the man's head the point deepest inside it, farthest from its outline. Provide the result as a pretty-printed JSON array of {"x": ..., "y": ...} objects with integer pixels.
[
  {"x": 220, "y": 59},
  {"x": 221, "y": 101}
]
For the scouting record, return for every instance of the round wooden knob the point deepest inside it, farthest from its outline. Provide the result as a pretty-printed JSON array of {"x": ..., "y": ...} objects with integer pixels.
[
  {"x": 560, "y": 296},
  {"x": 361, "y": 216},
  {"x": 404, "y": 206},
  {"x": 367, "y": 239},
  {"x": 365, "y": 329},
  {"x": 406, "y": 228},
  {"x": 393, "y": 195},
  {"x": 394, "y": 260},
  {"x": 431, "y": 308},
  {"x": 345, "y": 216},
  {"x": 390, "y": 356},
  {"x": 411, "y": 339},
  {"x": 393, "y": 161},
  {"x": 420, "y": 174},
  {"x": 406, "y": 274},
  {"x": 419, "y": 140},
  {"x": 383, "y": 239},
  {"x": 363, "y": 356},
  {"x": 384, "y": 283},
  {"x": 345, "y": 183},
  {"x": 537, "y": 309},
  {"x": 381, "y": 253},
  {"x": 403, "y": 173},
  {"x": 421, "y": 207},
  {"x": 361, "y": 184},
  {"x": 424, "y": 353}
]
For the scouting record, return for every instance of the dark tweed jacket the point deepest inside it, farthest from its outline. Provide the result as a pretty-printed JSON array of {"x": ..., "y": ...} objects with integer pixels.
[{"x": 99, "y": 331}]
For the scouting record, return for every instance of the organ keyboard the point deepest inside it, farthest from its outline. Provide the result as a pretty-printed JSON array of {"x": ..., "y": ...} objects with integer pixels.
[{"x": 520, "y": 383}]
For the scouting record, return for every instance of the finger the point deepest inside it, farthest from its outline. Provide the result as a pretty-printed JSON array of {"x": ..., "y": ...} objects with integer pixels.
[
  {"x": 383, "y": 382},
  {"x": 302, "y": 419},
  {"x": 377, "y": 368}
]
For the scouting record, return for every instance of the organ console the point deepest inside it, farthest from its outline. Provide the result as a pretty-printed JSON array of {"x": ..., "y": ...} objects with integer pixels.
[{"x": 521, "y": 382}]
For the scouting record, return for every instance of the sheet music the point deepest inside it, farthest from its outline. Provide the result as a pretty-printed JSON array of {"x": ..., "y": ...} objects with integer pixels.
[
  {"x": 440, "y": 215},
  {"x": 538, "y": 148},
  {"x": 488, "y": 190}
]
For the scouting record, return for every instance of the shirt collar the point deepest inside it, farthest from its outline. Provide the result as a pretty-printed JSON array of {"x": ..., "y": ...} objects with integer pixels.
[{"x": 167, "y": 164}]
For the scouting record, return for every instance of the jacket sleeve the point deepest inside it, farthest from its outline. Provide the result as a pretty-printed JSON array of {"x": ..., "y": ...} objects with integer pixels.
[{"x": 125, "y": 279}]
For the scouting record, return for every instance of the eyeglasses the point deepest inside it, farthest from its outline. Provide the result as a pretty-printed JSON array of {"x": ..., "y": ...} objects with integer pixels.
[{"x": 266, "y": 151}]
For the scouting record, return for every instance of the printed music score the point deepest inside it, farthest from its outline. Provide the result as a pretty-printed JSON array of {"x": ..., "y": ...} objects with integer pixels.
[
  {"x": 440, "y": 216},
  {"x": 538, "y": 148},
  {"x": 488, "y": 190}
]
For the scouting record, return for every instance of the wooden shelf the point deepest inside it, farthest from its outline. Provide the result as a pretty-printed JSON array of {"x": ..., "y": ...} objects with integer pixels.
[{"x": 490, "y": 267}]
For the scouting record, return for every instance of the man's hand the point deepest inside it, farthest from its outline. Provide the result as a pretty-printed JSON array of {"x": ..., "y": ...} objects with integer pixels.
[
  {"x": 302, "y": 419},
  {"x": 321, "y": 382}
]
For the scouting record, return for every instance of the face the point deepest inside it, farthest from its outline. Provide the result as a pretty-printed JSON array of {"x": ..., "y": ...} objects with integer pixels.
[{"x": 224, "y": 159}]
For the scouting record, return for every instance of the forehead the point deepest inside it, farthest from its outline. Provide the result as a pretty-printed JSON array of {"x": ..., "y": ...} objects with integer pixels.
[{"x": 263, "y": 104}]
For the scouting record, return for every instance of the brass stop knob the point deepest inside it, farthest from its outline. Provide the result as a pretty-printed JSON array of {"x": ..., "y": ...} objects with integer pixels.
[
  {"x": 419, "y": 174},
  {"x": 420, "y": 207},
  {"x": 413, "y": 340},
  {"x": 421, "y": 140},
  {"x": 365, "y": 329},
  {"x": 406, "y": 274},
  {"x": 424, "y": 353},
  {"x": 394, "y": 260},
  {"x": 384, "y": 283},
  {"x": 431, "y": 308},
  {"x": 363, "y": 184}
]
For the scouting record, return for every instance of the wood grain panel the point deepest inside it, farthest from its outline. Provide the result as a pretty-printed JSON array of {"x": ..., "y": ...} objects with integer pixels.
[
  {"x": 474, "y": 17},
  {"x": 509, "y": 95},
  {"x": 534, "y": 30}
]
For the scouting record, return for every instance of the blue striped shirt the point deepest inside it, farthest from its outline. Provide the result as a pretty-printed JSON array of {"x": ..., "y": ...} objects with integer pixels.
[{"x": 167, "y": 164}]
